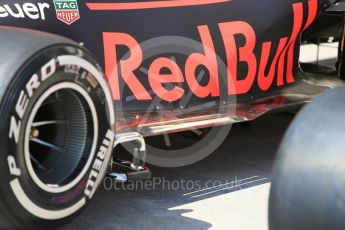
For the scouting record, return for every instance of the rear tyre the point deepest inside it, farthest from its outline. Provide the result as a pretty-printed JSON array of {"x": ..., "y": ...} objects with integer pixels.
[
  {"x": 308, "y": 178},
  {"x": 56, "y": 131}
]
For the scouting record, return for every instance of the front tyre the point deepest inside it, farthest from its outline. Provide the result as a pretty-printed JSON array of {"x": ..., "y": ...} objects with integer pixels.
[{"x": 56, "y": 131}]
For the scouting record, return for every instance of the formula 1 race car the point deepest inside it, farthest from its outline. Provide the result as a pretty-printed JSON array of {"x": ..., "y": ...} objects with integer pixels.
[{"x": 79, "y": 77}]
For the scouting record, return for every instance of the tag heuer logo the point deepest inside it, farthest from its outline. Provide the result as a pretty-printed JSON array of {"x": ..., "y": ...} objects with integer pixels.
[{"x": 67, "y": 10}]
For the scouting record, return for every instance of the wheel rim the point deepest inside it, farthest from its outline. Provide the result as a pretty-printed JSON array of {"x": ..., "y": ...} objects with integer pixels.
[{"x": 60, "y": 137}]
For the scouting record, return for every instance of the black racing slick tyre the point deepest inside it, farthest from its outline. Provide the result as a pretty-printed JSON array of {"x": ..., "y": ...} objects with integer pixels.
[
  {"x": 56, "y": 129},
  {"x": 308, "y": 181}
]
